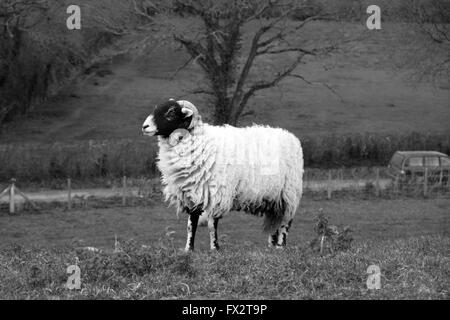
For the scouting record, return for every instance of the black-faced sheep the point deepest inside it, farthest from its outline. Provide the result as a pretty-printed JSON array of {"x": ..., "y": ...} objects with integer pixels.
[{"x": 209, "y": 170}]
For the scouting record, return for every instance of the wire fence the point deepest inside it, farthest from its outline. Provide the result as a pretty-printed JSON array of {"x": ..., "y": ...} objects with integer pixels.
[
  {"x": 376, "y": 181},
  {"x": 321, "y": 184}
]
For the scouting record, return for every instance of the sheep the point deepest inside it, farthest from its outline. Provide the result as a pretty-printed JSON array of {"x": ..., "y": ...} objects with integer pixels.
[{"x": 208, "y": 171}]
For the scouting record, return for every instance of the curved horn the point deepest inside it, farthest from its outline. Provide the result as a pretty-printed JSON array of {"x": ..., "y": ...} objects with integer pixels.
[{"x": 189, "y": 110}]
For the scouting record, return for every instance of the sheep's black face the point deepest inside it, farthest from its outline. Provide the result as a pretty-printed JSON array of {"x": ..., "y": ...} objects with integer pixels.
[{"x": 166, "y": 118}]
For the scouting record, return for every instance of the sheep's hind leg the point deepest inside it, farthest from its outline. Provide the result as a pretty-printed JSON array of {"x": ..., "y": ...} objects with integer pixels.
[
  {"x": 273, "y": 238},
  {"x": 212, "y": 226},
  {"x": 282, "y": 233},
  {"x": 191, "y": 229}
]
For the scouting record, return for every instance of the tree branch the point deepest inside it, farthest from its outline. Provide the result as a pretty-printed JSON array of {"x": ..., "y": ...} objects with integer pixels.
[
  {"x": 202, "y": 91},
  {"x": 283, "y": 50},
  {"x": 196, "y": 50},
  {"x": 280, "y": 75},
  {"x": 283, "y": 33},
  {"x": 267, "y": 84},
  {"x": 268, "y": 4},
  {"x": 321, "y": 83},
  {"x": 184, "y": 65},
  {"x": 247, "y": 66}
]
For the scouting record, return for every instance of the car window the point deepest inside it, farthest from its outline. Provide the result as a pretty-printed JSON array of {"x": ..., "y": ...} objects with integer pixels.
[
  {"x": 445, "y": 162},
  {"x": 432, "y": 161},
  {"x": 415, "y": 162}
]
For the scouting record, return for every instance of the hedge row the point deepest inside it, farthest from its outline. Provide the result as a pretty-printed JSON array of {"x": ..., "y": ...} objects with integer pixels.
[{"x": 91, "y": 159}]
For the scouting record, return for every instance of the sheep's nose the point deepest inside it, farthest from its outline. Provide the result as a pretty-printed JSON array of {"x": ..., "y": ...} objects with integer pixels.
[{"x": 145, "y": 127}]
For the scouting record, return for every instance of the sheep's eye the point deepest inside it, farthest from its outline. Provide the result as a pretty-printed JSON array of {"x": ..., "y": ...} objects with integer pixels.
[{"x": 170, "y": 114}]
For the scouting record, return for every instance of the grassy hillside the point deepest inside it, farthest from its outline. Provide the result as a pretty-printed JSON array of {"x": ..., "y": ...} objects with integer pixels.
[{"x": 371, "y": 78}]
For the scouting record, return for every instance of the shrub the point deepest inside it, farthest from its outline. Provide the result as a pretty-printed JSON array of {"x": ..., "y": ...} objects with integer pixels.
[
  {"x": 329, "y": 237},
  {"x": 78, "y": 160}
]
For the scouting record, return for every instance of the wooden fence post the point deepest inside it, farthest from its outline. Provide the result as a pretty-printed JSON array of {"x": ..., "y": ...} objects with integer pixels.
[
  {"x": 425, "y": 183},
  {"x": 69, "y": 193},
  {"x": 124, "y": 190},
  {"x": 11, "y": 190},
  {"x": 11, "y": 197},
  {"x": 396, "y": 186},
  {"x": 377, "y": 183},
  {"x": 329, "y": 185}
]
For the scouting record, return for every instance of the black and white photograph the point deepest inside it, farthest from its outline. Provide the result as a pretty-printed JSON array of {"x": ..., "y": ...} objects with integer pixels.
[{"x": 224, "y": 154}]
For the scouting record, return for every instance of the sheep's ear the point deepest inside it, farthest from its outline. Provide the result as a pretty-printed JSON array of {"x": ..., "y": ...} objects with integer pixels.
[{"x": 187, "y": 112}]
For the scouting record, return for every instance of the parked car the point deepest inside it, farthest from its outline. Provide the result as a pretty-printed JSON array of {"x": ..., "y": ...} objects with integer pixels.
[{"x": 409, "y": 166}]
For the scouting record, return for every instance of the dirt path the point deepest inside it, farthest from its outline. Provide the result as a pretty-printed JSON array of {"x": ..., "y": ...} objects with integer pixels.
[
  {"x": 61, "y": 195},
  {"x": 343, "y": 184}
]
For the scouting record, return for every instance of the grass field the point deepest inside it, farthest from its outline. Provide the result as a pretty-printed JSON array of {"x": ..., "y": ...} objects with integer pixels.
[
  {"x": 408, "y": 239},
  {"x": 376, "y": 94},
  {"x": 370, "y": 219}
]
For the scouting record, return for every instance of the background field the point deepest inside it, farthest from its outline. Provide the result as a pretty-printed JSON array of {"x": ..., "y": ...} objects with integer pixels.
[
  {"x": 375, "y": 86},
  {"x": 370, "y": 219},
  {"x": 408, "y": 239},
  {"x": 379, "y": 104}
]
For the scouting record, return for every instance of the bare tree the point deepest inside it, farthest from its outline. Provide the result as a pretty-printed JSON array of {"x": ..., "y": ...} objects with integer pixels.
[
  {"x": 218, "y": 48},
  {"x": 14, "y": 21},
  {"x": 37, "y": 55},
  {"x": 14, "y": 14}
]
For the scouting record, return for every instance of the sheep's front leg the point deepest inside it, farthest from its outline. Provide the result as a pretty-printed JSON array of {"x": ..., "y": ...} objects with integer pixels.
[
  {"x": 191, "y": 229},
  {"x": 212, "y": 226}
]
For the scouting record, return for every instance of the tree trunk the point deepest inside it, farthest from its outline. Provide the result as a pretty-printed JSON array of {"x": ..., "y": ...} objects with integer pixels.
[
  {"x": 221, "y": 111},
  {"x": 234, "y": 117}
]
